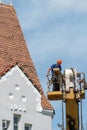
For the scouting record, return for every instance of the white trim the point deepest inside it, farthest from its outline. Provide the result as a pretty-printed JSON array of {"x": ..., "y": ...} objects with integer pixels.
[{"x": 48, "y": 112}]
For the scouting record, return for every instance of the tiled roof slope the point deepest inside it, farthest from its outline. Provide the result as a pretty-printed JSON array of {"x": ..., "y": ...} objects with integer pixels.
[{"x": 13, "y": 49}]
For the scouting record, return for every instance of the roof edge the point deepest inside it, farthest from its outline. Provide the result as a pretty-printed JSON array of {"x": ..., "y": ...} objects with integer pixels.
[{"x": 9, "y": 67}]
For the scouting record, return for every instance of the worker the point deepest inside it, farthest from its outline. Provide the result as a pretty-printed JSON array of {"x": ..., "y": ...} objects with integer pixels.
[{"x": 56, "y": 74}]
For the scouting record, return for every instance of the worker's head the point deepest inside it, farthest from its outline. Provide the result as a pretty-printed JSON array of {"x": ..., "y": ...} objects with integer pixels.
[{"x": 59, "y": 61}]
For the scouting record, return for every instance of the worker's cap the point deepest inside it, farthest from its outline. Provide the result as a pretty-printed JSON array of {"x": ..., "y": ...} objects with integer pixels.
[{"x": 59, "y": 61}]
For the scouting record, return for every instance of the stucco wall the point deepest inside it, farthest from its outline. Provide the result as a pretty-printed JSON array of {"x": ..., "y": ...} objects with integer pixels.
[{"x": 19, "y": 96}]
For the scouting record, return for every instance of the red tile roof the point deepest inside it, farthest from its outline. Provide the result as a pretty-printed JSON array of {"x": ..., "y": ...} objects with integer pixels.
[{"x": 13, "y": 49}]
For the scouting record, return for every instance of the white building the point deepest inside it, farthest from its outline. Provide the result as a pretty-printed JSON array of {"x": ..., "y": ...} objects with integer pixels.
[{"x": 23, "y": 105}]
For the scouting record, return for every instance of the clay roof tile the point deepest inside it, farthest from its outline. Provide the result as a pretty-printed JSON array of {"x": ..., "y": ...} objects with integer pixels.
[{"x": 13, "y": 49}]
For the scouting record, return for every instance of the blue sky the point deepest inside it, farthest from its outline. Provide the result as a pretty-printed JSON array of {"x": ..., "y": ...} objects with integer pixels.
[{"x": 55, "y": 29}]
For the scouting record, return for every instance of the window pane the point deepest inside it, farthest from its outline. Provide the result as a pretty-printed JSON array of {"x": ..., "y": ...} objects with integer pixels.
[
  {"x": 28, "y": 127},
  {"x": 3, "y": 124},
  {"x": 16, "y": 121},
  {"x": 15, "y": 128}
]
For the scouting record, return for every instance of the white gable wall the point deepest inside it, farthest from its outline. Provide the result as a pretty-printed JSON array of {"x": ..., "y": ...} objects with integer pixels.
[{"x": 18, "y": 96}]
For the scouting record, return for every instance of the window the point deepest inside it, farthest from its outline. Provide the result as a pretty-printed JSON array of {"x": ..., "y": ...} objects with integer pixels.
[
  {"x": 23, "y": 98},
  {"x": 17, "y": 87},
  {"x": 28, "y": 127},
  {"x": 16, "y": 121},
  {"x": 5, "y": 124},
  {"x": 11, "y": 96}
]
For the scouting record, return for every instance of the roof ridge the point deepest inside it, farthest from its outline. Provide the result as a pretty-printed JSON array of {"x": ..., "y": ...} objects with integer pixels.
[{"x": 6, "y": 5}]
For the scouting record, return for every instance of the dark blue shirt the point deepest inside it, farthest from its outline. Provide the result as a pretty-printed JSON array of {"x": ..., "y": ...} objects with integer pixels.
[{"x": 56, "y": 66}]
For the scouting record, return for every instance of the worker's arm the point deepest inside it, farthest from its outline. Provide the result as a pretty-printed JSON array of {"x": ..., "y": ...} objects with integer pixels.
[{"x": 48, "y": 71}]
